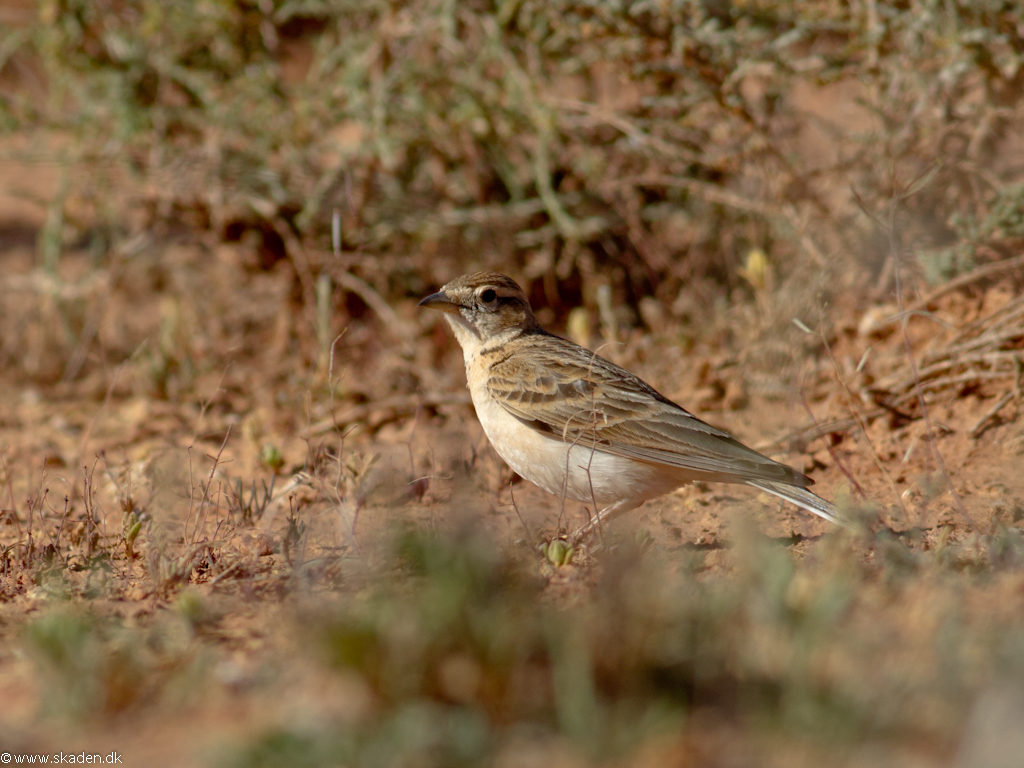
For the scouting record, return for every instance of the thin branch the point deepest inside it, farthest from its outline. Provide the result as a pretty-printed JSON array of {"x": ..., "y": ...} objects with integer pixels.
[
  {"x": 962, "y": 281},
  {"x": 933, "y": 442},
  {"x": 206, "y": 488},
  {"x": 990, "y": 414}
]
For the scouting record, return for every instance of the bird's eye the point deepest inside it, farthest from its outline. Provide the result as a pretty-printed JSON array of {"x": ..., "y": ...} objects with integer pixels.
[{"x": 488, "y": 296}]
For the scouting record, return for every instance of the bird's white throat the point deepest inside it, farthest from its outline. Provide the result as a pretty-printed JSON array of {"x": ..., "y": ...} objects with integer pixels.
[{"x": 472, "y": 341}]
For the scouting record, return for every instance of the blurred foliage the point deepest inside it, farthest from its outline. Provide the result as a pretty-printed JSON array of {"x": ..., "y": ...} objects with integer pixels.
[
  {"x": 459, "y": 656},
  {"x": 445, "y": 649},
  {"x": 94, "y": 668},
  {"x": 651, "y": 142}
]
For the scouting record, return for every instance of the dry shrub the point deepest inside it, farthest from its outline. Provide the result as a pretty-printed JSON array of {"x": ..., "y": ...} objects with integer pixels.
[{"x": 647, "y": 146}]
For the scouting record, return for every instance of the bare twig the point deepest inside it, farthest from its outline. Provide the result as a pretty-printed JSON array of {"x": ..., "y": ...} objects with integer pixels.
[
  {"x": 860, "y": 421},
  {"x": 709, "y": 192},
  {"x": 954, "y": 361},
  {"x": 981, "y": 273},
  {"x": 597, "y": 116},
  {"x": 835, "y": 458},
  {"x": 944, "y": 382},
  {"x": 894, "y": 252},
  {"x": 1007, "y": 313},
  {"x": 224, "y": 574},
  {"x": 529, "y": 535},
  {"x": 990, "y": 414},
  {"x": 206, "y": 490},
  {"x": 300, "y": 262},
  {"x": 397, "y": 328}
]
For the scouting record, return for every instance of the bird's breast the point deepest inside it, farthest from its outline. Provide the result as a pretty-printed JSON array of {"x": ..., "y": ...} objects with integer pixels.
[{"x": 580, "y": 472}]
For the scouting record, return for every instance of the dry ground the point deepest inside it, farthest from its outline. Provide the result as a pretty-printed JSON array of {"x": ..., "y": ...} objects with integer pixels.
[{"x": 202, "y": 636}]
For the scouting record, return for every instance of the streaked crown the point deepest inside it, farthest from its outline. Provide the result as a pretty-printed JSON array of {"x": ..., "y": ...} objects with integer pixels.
[{"x": 488, "y": 303}]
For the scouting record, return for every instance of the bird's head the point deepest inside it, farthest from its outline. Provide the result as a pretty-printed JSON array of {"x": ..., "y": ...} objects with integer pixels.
[{"x": 483, "y": 306}]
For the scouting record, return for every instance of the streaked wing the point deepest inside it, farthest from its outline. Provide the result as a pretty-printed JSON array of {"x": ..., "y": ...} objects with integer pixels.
[{"x": 574, "y": 395}]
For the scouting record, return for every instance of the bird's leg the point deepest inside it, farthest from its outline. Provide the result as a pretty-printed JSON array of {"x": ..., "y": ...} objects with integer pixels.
[{"x": 606, "y": 515}]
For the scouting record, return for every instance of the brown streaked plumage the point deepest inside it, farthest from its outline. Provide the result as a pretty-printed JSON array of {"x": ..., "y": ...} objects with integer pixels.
[{"x": 574, "y": 423}]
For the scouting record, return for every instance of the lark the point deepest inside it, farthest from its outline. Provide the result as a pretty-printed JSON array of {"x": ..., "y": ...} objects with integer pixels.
[{"x": 580, "y": 426}]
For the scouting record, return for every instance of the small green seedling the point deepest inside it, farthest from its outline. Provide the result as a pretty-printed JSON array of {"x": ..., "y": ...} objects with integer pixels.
[
  {"x": 558, "y": 552},
  {"x": 132, "y": 527},
  {"x": 271, "y": 457}
]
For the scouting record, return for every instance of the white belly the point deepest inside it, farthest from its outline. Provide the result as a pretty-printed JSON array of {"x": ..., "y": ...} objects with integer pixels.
[{"x": 581, "y": 473}]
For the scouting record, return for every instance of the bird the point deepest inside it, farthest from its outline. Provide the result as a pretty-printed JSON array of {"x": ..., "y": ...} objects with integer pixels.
[{"x": 582, "y": 427}]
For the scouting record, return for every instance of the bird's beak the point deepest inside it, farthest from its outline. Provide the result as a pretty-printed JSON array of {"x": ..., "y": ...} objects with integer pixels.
[{"x": 439, "y": 301}]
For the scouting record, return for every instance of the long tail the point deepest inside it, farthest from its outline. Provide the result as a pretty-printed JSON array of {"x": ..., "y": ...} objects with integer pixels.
[{"x": 803, "y": 499}]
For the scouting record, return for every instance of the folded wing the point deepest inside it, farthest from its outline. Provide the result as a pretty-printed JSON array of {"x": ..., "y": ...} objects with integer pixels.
[{"x": 580, "y": 398}]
